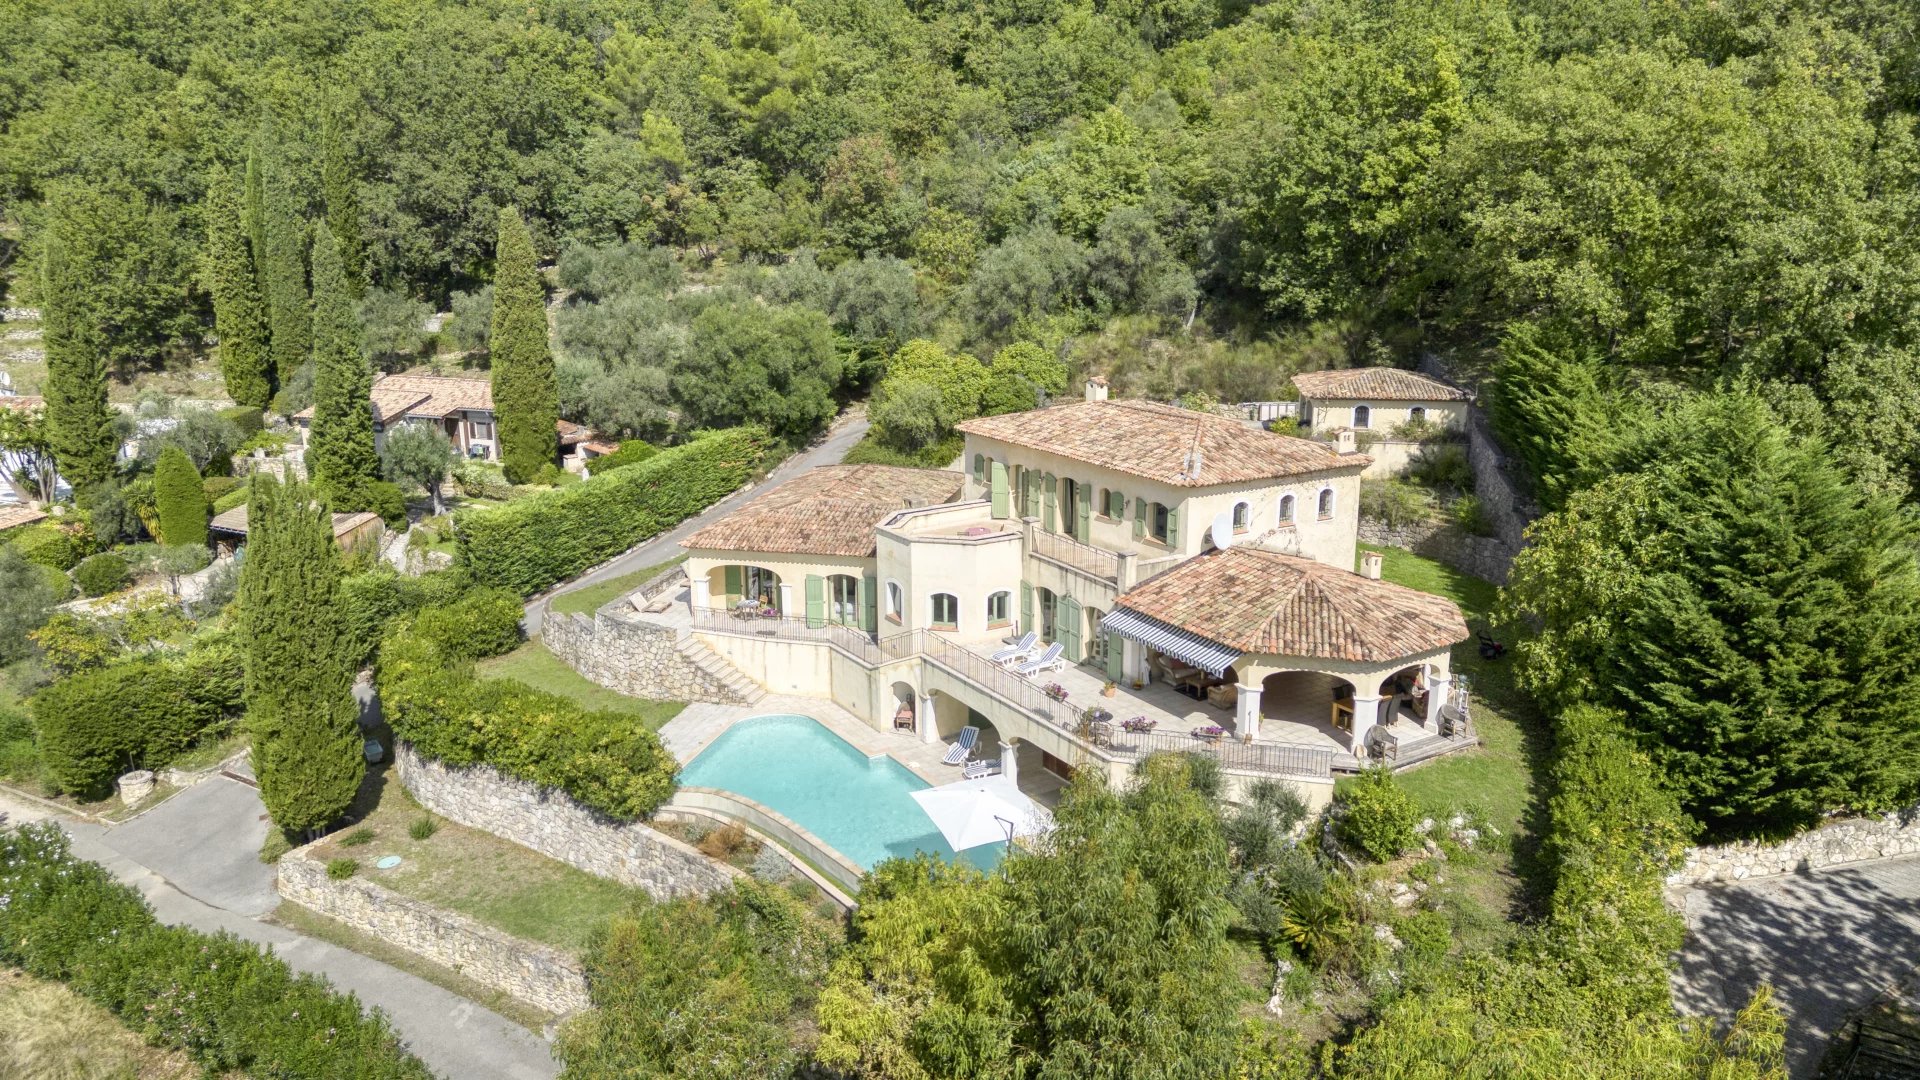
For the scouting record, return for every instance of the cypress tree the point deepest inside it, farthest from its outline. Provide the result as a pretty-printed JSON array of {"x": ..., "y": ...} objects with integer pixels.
[
  {"x": 284, "y": 271},
  {"x": 253, "y": 221},
  {"x": 526, "y": 400},
  {"x": 340, "y": 452},
  {"x": 79, "y": 423},
  {"x": 179, "y": 498},
  {"x": 239, "y": 315},
  {"x": 299, "y": 679},
  {"x": 343, "y": 203}
]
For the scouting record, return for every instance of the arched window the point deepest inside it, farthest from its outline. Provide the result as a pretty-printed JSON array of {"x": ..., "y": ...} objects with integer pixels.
[
  {"x": 946, "y": 611},
  {"x": 979, "y": 468},
  {"x": 896, "y": 600},
  {"x": 999, "y": 609},
  {"x": 1286, "y": 509},
  {"x": 1241, "y": 513},
  {"x": 1326, "y": 503},
  {"x": 1362, "y": 416},
  {"x": 1417, "y": 414}
]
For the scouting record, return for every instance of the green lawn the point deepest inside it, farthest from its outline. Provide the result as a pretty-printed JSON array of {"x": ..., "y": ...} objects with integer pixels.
[
  {"x": 534, "y": 665},
  {"x": 1505, "y": 778},
  {"x": 586, "y": 601}
]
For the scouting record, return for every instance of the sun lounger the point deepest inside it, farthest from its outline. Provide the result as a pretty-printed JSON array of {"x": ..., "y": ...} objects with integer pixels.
[
  {"x": 963, "y": 747},
  {"x": 975, "y": 770},
  {"x": 1050, "y": 660},
  {"x": 1017, "y": 651}
]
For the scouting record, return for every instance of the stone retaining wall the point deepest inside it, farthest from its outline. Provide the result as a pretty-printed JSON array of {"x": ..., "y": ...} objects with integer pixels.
[
  {"x": 1482, "y": 556},
  {"x": 617, "y": 649},
  {"x": 536, "y": 974},
  {"x": 1846, "y": 841},
  {"x": 555, "y": 826}
]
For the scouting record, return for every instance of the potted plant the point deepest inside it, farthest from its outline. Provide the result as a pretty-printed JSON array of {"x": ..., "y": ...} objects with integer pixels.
[
  {"x": 1139, "y": 685},
  {"x": 1210, "y": 732},
  {"x": 1055, "y": 691},
  {"x": 1139, "y": 724},
  {"x": 1109, "y": 688}
]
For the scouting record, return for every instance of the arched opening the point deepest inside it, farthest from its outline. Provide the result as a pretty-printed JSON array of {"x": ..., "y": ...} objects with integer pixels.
[
  {"x": 1326, "y": 503},
  {"x": 1404, "y": 695},
  {"x": 950, "y": 714},
  {"x": 946, "y": 612},
  {"x": 1417, "y": 414},
  {"x": 999, "y": 610},
  {"x": 896, "y": 602},
  {"x": 1362, "y": 416},
  {"x": 1313, "y": 698},
  {"x": 1286, "y": 509},
  {"x": 1242, "y": 516},
  {"x": 904, "y": 712},
  {"x": 843, "y": 600},
  {"x": 979, "y": 468},
  {"x": 742, "y": 588}
]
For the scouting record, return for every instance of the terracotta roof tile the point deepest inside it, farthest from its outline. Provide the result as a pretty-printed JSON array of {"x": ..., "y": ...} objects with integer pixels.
[
  {"x": 21, "y": 401},
  {"x": 235, "y": 521},
  {"x": 1261, "y": 601},
  {"x": 443, "y": 394},
  {"x": 831, "y": 510},
  {"x": 1377, "y": 384},
  {"x": 12, "y": 517},
  {"x": 1161, "y": 442}
]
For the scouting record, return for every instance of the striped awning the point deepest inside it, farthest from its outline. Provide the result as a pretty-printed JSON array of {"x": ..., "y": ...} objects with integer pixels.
[{"x": 1209, "y": 656}]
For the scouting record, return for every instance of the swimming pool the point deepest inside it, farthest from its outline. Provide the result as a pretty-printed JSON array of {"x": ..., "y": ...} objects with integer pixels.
[{"x": 860, "y": 806}]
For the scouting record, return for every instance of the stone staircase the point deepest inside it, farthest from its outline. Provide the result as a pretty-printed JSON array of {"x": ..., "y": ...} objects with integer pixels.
[{"x": 728, "y": 683}]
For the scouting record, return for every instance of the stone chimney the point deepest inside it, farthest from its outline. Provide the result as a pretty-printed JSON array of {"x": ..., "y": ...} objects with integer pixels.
[
  {"x": 1097, "y": 388},
  {"x": 1370, "y": 565},
  {"x": 1343, "y": 441}
]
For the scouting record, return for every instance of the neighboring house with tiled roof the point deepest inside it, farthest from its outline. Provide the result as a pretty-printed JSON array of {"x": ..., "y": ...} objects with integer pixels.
[
  {"x": 229, "y": 528},
  {"x": 462, "y": 408},
  {"x": 1377, "y": 399}
]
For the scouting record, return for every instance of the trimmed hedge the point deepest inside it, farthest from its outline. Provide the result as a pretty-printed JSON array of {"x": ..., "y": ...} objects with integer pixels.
[
  {"x": 249, "y": 421},
  {"x": 236, "y": 497},
  {"x": 46, "y": 544},
  {"x": 534, "y": 542},
  {"x": 229, "y": 1004},
  {"x": 601, "y": 760},
  {"x": 631, "y": 452},
  {"x": 371, "y": 600},
  {"x": 137, "y": 713},
  {"x": 98, "y": 575}
]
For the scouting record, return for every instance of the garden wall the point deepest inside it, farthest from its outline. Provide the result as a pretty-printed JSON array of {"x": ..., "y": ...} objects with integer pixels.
[
  {"x": 621, "y": 650},
  {"x": 555, "y": 826},
  {"x": 1846, "y": 841},
  {"x": 1482, "y": 556},
  {"x": 536, "y": 974}
]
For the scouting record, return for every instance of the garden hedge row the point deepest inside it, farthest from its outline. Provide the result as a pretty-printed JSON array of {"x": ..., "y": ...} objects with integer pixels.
[
  {"x": 530, "y": 544},
  {"x": 137, "y": 713},
  {"x": 372, "y": 599},
  {"x": 231, "y": 1006},
  {"x": 603, "y": 760}
]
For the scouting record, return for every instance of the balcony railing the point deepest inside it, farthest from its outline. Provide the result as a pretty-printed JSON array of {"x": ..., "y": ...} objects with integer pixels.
[
  {"x": 1112, "y": 743},
  {"x": 1071, "y": 553}
]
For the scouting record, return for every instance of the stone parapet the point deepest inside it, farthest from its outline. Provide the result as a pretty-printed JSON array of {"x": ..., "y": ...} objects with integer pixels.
[
  {"x": 555, "y": 826},
  {"x": 1845, "y": 841},
  {"x": 539, "y": 975}
]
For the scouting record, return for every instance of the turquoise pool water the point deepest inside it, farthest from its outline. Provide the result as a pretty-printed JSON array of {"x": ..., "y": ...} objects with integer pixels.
[{"x": 860, "y": 806}]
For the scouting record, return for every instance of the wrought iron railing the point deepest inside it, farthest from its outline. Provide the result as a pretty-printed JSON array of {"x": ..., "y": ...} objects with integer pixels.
[
  {"x": 853, "y": 642},
  {"x": 1074, "y": 555}
]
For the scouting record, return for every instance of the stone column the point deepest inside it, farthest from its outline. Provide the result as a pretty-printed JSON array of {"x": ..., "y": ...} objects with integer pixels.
[
  {"x": 1439, "y": 692},
  {"x": 698, "y": 599},
  {"x": 786, "y": 600},
  {"x": 925, "y": 722},
  {"x": 1246, "y": 713},
  {"x": 1133, "y": 661},
  {"x": 1366, "y": 714},
  {"x": 1127, "y": 569},
  {"x": 1010, "y": 760}
]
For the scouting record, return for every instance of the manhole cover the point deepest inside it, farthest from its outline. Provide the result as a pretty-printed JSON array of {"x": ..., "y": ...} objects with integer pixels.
[{"x": 387, "y": 862}]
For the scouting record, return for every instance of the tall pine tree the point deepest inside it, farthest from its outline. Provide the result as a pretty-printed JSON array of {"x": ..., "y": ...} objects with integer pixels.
[
  {"x": 341, "y": 188},
  {"x": 239, "y": 315},
  {"x": 179, "y": 498},
  {"x": 283, "y": 233},
  {"x": 299, "y": 679},
  {"x": 79, "y": 423},
  {"x": 340, "y": 453},
  {"x": 526, "y": 400}
]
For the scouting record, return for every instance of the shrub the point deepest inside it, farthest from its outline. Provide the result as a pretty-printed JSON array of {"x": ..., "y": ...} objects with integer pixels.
[
  {"x": 19, "y": 754},
  {"x": 1394, "y": 502},
  {"x": 771, "y": 866},
  {"x": 479, "y": 480},
  {"x": 534, "y": 542},
  {"x": 722, "y": 842},
  {"x": 422, "y": 828},
  {"x": 1376, "y": 815},
  {"x": 631, "y": 452},
  {"x": 485, "y": 622},
  {"x": 46, "y": 544},
  {"x": 137, "y": 713},
  {"x": 1284, "y": 425},
  {"x": 274, "y": 443},
  {"x": 1468, "y": 513},
  {"x": 342, "y": 869},
  {"x": 98, "y": 575},
  {"x": 231, "y": 1005},
  {"x": 1442, "y": 465},
  {"x": 181, "y": 499},
  {"x": 247, "y": 421},
  {"x": 236, "y": 497},
  {"x": 357, "y": 837},
  {"x": 600, "y": 759}
]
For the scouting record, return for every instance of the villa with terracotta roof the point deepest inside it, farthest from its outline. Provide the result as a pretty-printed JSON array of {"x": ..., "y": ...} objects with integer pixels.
[
  {"x": 1384, "y": 403},
  {"x": 460, "y": 407},
  {"x": 1188, "y": 582}
]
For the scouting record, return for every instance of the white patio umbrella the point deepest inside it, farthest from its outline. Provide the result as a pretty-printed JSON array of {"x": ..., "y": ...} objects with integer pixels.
[{"x": 970, "y": 813}]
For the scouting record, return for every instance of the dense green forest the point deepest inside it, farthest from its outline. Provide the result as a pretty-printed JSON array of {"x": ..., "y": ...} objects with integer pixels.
[{"x": 1180, "y": 194}]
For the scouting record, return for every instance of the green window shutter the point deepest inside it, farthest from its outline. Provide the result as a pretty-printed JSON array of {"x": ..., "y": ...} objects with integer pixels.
[
  {"x": 736, "y": 584},
  {"x": 1173, "y": 526},
  {"x": 1026, "y": 607},
  {"x": 997, "y": 489},
  {"x": 979, "y": 468},
  {"x": 1139, "y": 519},
  {"x": 816, "y": 600},
  {"x": 1115, "y": 654},
  {"x": 1050, "y": 496},
  {"x": 1067, "y": 629},
  {"x": 1085, "y": 535},
  {"x": 1030, "y": 493},
  {"x": 869, "y": 605}
]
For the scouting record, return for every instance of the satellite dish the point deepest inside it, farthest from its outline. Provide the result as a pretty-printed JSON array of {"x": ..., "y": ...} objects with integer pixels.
[{"x": 1222, "y": 530}]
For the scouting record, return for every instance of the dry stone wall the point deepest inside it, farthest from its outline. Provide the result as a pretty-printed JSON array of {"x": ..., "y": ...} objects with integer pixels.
[
  {"x": 536, "y": 974},
  {"x": 1482, "y": 556},
  {"x": 622, "y": 651},
  {"x": 555, "y": 826},
  {"x": 1846, "y": 841}
]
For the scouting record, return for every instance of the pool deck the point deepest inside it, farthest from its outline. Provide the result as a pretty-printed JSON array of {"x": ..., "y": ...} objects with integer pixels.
[{"x": 702, "y": 722}]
